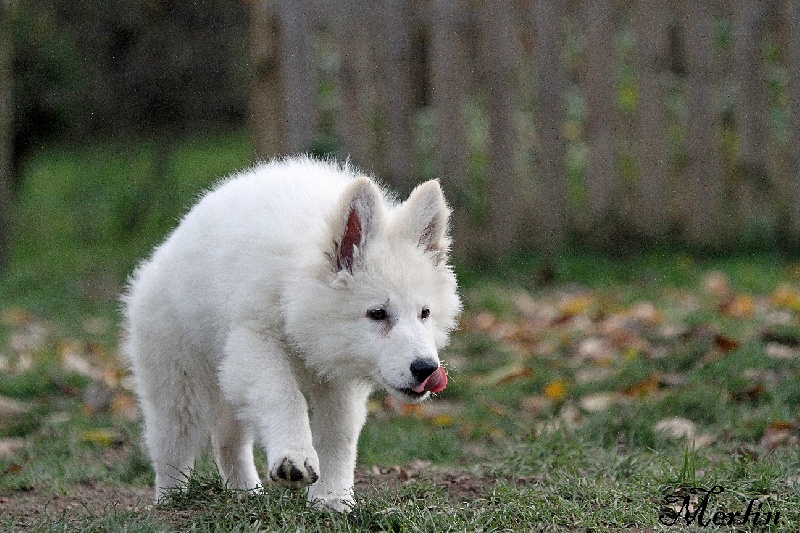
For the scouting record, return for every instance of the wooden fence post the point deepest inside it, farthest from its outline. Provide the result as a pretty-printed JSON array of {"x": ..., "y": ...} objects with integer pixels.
[
  {"x": 497, "y": 63},
  {"x": 603, "y": 183},
  {"x": 355, "y": 81},
  {"x": 297, "y": 74},
  {"x": 793, "y": 207},
  {"x": 6, "y": 107},
  {"x": 650, "y": 207},
  {"x": 753, "y": 181},
  {"x": 550, "y": 87},
  {"x": 702, "y": 187},
  {"x": 395, "y": 20},
  {"x": 449, "y": 87},
  {"x": 265, "y": 91}
]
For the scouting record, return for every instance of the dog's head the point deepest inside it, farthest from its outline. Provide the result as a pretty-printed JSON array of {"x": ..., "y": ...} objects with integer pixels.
[{"x": 385, "y": 300}]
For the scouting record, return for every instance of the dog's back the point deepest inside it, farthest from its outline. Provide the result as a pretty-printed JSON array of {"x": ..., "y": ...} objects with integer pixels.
[{"x": 245, "y": 235}]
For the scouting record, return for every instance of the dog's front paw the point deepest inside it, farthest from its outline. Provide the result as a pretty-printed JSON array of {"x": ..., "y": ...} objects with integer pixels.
[
  {"x": 294, "y": 470},
  {"x": 331, "y": 502}
]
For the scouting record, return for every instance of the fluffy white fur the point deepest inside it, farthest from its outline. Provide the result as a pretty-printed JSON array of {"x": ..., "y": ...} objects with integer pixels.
[{"x": 252, "y": 322}]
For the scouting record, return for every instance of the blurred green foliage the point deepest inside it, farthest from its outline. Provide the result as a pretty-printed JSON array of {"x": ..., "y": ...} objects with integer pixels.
[{"x": 84, "y": 218}]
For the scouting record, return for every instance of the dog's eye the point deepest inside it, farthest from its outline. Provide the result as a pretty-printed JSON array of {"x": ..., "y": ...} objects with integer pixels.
[
  {"x": 425, "y": 313},
  {"x": 377, "y": 314}
]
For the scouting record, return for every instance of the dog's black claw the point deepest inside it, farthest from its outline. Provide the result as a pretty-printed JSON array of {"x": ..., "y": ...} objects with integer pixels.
[{"x": 312, "y": 476}]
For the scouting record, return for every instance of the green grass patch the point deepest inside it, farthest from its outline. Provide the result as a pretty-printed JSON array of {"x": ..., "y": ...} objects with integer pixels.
[{"x": 575, "y": 405}]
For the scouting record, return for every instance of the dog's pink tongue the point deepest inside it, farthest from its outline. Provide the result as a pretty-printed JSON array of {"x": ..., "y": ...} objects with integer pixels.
[{"x": 436, "y": 382}]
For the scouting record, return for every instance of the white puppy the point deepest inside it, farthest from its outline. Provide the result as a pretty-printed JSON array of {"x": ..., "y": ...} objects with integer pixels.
[{"x": 281, "y": 299}]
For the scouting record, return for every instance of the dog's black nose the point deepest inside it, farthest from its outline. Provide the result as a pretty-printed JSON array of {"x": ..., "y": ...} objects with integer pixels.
[{"x": 422, "y": 368}]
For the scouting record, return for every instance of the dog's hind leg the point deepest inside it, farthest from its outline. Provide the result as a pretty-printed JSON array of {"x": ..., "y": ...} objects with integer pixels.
[
  {"x": 233, "y": 449},
  {"x": 173, "y": 439},
  {"x": 175, "y": 404}
]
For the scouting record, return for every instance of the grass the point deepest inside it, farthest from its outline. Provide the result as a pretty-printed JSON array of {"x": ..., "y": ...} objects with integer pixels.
[{"x": 563, "y": 412}]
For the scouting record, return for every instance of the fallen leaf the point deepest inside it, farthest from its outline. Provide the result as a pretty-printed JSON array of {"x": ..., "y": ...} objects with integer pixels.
[
  {"x": 16, "y": 317},
  {"x": 442, "y": 420},
  {"x": 13, "y": 469},
  {"x": 124, "y": 406},
  {"x": 646, "y": 313},
  {"x": 576, "y": 305},
  {"x": 726, "y": 344},
  {"x": 97, "y": 397},
  {"x": 740, "y": 306},
  {"x": 73, "y": 360},
  {"x": 672, "y": 379},
  {"x": 536, "y": 405},
  {"x": 24, "y": 362},
  {"x": 779, "y": 434},
  {"x": 555, "y": 390},
  {"x": 101, "y": 437},
  {"x": 526, "y": 304},
  {"x": 497, "y": 409},
  {"x": 523, "y": 335},
  {"x": 601, "y": 401},
  {"x": 646, "y": 387},
  {"x": 10, "y": 446},
  {"x": 98, "y": 325},
  {"x": 774, "y": 350},
  {"x": 711, "y": 356},
  {"x": 676, "y": 427},
  {"x": 31, "y": 338},
  {"x": 10, "y": 407},
  {"x": 786, "y": 296},
  {"x": 682, "y": 428},
  {"x": 440, "y": 412},
  {"x": 749, "y": 394},
  {"x": 506, "y": 374},
  {"x": 597, "y": 350},
  {"x": 701, "y": 440},
  {"x": 717, "y": 284},
  {"x": 483, "y": 321}
]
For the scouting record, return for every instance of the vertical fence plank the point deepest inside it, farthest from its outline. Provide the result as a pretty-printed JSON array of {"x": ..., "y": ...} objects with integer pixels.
[
  {"x": 702, "y": 189},
  {"x": 395, "y": 21},
  {"x": 449, "y": 87},
  {"x": 266, "y": 111},
  {"x": 377, "y": 92},
  {"x": 497, "y": 63},
  {"x": 650, "y": 207},
  {"x": 550, "y": 89},
  {"x": 603, "y": 183},
  {"x": 298, "y": 75},
  {"x": 752, "y": 109},
  {"x": 793, "y": 208},
  {"x": 355, "y": 80},
  {"x": 6, "y": 106}
]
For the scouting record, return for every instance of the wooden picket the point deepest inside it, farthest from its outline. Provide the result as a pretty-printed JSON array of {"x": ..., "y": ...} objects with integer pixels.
[{"x": 441, "y": 88}]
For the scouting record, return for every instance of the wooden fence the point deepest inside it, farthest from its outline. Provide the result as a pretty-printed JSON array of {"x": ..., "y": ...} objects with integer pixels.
[{"x": 614, "y": 121}]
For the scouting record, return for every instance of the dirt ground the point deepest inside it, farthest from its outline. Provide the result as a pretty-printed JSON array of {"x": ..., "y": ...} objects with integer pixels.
[
  {"x": 27, "y": 508},
  {"x": 30, "y": 507}
]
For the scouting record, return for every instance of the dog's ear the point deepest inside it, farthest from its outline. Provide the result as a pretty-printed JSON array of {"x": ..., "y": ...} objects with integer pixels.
[
  {"x": 427, "y": 216},
  {"x": 356, "y": 222}
]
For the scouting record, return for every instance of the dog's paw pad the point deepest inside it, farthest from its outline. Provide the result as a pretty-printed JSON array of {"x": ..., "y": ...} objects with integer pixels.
[{"x": 287, "y": 472}]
